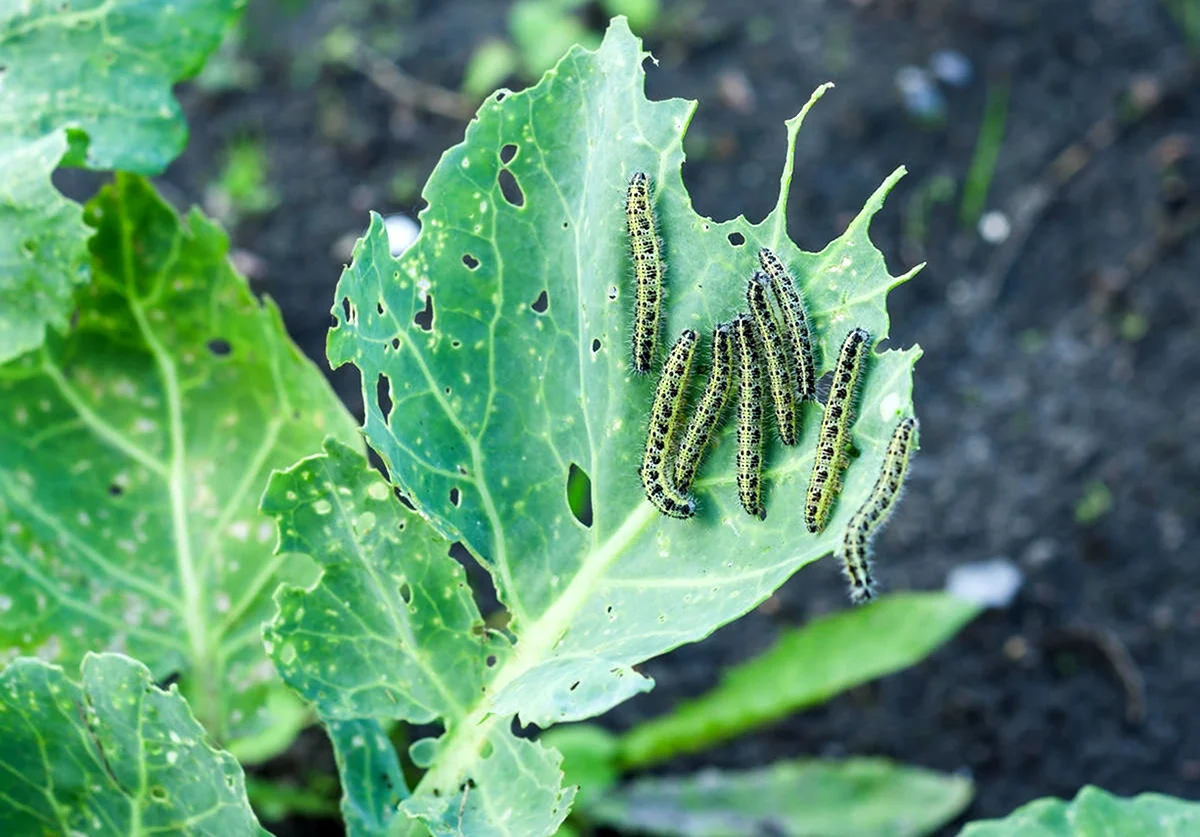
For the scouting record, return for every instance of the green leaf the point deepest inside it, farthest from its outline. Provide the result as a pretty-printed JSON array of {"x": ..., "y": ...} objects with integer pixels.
[
  {"x": 501, "y": 341},
  {"x": 132, "y": 454},
  {"x": 98, "y": 74},
  {"x": 807, "y": 798},
  {"x": 372, "y": 784},
  {"x": 1095, "y": 813},
  {"x": 42, "y": 255},
  {"x": 805, "y": 667},
  {"x": 110, "y": 755}
]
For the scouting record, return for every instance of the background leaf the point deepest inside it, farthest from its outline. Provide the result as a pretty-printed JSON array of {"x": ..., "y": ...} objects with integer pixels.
[
  {"x": 132, "y": 454},
  {"x": 806, "y": 666},
  {"x": 110, "y": 755},
  {"x": 817, "y": 798},
  {"x": 99, "y": 74},
  {"x": 372, "y": 784},
  {"x": 1095, "y": 813},
  {"x": 494, "y": 356}
]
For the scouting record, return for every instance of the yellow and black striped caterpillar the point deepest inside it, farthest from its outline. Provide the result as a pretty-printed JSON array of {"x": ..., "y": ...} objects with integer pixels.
[
  {"x": 749, "y": 418},
  {"x": 707, "y": 417},
  {"x": 856, "y": 540},
  {"x": 778, "y": 374},
  {"x": 834, "y": 440},
  {"x": 666, "y": 414},
  {"x": 648, "y": 268},
  {"x": 795, "y": 323}
]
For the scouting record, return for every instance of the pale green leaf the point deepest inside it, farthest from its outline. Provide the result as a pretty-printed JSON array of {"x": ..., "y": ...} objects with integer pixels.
[
  {"x": 372, "y": 784},
  {"x": 133, "y": 451},
  {"x": 501, "y": 340},
  {"x": 100, "y": 73},
  {"x": 806, "y": 666},
  {"x": 1096, "y": 813},
  {"x": 806, "y": 798},
  {"x": 111, "y": 755}
]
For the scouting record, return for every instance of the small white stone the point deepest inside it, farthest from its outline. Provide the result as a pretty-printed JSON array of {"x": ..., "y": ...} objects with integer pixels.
[
  {"x": 991, "y": 583},
  {"x": 994, "y": 227}
]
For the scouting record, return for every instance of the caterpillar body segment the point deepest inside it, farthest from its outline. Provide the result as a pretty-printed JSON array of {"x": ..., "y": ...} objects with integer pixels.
[
  {"x": 666, "y": 414},
  {"x": 749, "y": 418},
  {"x": 875, "y": 511},
  {"x": 834, "y": 440},
  {"x": 774, "y": 352},
  {"x": 707, "y": 417},
  {"x": 646, "y": 250},
  {"x": 795, "y": 323}
]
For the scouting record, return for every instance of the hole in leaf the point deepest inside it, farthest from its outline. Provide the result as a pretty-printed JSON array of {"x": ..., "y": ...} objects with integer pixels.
[
  {"x": 455, "y": 497},
  {"x": 508, "y": 153},
  {"x": 383, "y": 395},
  {"x": 579, "y": 494},
  {"x": 510, "y": 188},
  {"x": 396, "y": 343},
  {"x": 406, "y": 592},
  {"x": 347, "y": 309},
  {"x": 424, "y": 317},
  {"x": 470, "y": 261},
  {"x": 115, "y": 490},
  {"x": 595, "y": 345},
  {"x": 408, "y": 504},
  {"x": 737, "y": 239},
  {"x": 565, "y": 225},
  {"x": 379, "y": 307},
  {"x": 455, "y": 344},
  {"x": 612, "y": 292},
  {"x": 574, "y": 686},
  {"x": 500, "y": 94},
  {"x": 541, "y": 303},
  {"x": 219, "y": 347},
  {"x": 491, "y": 660}
]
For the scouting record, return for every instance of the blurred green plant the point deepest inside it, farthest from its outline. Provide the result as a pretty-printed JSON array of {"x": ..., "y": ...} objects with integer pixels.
[
  {"x": 987, "y": 151},
  {"x": 541, "y": 32},
  {"x": 243, "y": 186},
  {"x": 807, "y": 666}
]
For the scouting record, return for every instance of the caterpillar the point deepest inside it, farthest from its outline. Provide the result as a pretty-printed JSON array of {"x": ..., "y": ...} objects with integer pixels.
[
  {"x": 780, "y": 379},
  {"x": 665, "y": 416},
  {"x": 648, "y": 268},
  {"x": 708, "y": 412},
  {"x": 873, "y": 514},
  {"x": 749, "y": 413},
  {"x": 834, "y": 441},
  {"x": 795, "y": 322}
]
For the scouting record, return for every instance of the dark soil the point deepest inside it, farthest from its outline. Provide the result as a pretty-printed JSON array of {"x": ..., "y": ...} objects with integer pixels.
[{"x": 1059, "y": 361}]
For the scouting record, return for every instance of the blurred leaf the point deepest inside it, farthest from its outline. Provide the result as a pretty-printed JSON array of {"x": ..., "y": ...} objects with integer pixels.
[
  {"x": 642, "y": 14},
  {"x": 372, "y": 784},
  {"x": 809, "y": 798},
  {"x": 544, "y": 34},
  {"x": 132, "y": 454},
  {"x": 494, "y": 355},
  {"x": 100, "y": 74},
  {"x": 589, "y": 754},
  {"x": 1095, "y": 813},
  {"x": 492, "y": 62},
  {"x": 805, "y": 667},
  {"x": 111, "y": 755}
]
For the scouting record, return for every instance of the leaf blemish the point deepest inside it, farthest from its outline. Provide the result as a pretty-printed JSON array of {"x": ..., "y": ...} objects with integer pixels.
[
  {"x": 219, "y": 347},
  {"x": 455, "y": 497}
]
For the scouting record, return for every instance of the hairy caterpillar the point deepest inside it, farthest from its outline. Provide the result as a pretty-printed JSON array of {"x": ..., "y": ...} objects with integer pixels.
[
  {"x": 832, "y": 444},
  {"x": 665, "y": 416},
  {"x": 749, "y": 427},
  {"x": 782, "y": 392},
  {"x": 646, "y": 249},
  {"x": 856, "y": 540},
  {"x": 795, "y": 322},
  {"x": 708, "y": 412}
]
